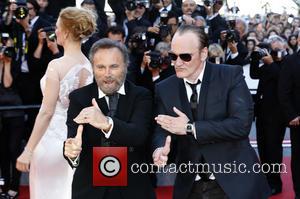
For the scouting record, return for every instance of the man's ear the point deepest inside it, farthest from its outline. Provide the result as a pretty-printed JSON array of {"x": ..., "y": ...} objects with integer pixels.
[{"x": 204, "y": 54}]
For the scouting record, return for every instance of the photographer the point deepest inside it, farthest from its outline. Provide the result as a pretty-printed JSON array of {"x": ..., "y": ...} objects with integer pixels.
[
  {"x": 270, "y": 123},
  {"x": 235, "y": 51},
  {"x": 213, "y": 18},
  {"x": 12, "y": 122},
  {"x": 135, "y": 17},
  {"x": 156, "y": 66},
  {"x": 24, "y": 31}
]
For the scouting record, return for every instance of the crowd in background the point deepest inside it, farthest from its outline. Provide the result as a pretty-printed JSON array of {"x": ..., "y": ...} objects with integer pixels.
[{"x": 28, "y": 44}]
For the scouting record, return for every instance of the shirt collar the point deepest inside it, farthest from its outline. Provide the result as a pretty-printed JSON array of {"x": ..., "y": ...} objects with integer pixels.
[
  {"x": 200, "y": 77},
  {"x": 169, "y": 7},
  {"x": 120, "y": 91},
  {"x": 32, "y": 22}
]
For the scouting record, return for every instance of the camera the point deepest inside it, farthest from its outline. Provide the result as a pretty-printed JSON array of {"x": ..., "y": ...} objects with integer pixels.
[
  {"x": 22, "y": 11},
  {"x": 164, "y": 31},
  {"x": 50, "y": 32},
  {"x": 157, "y": 61},
  {"x": 208, "y": 2},
  {"x": 231, "y": 36},
  {"x": 7, "y": 51},
  {"x": 132, "y": 4},
  {"x": 138, "y": 42},
  {"x": 261, "y": 51}
]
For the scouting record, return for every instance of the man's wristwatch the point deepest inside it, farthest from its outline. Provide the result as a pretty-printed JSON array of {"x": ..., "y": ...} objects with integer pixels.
[{"x": 189, "y": 128}]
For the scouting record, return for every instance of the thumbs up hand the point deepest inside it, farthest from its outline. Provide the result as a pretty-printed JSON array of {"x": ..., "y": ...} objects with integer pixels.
[
  {"x": 160, "y": 155},
  {"x": 73, "y": 145},
  {"x": 93, "y": 115}
]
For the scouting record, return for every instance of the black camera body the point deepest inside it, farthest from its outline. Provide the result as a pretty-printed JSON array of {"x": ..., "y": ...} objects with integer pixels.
[
  {"x": 22, "y": 11},
  {"x": 50, "y": 32},
  {"x": 157, "y": 61},
  {"x": 231, "y": 36},
  {"x": 260, "y": 52},
  {"x": 7, "y": 51},
  {"x": 132, "y": 4}
]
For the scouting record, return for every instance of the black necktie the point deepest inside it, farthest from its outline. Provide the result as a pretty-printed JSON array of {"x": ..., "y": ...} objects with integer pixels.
[
  {"x": 194, "y": 99},
  {"x": 194, "y": 103},
  {"x": 113, "y": 104}
]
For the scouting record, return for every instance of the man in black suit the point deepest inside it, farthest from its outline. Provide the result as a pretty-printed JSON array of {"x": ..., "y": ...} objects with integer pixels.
[
  {"x": 289, "y": 98},
  {"x": 120, "y": 116},
  {"x": 210, "y": 127},
  {"x": 270, "y": 123}
]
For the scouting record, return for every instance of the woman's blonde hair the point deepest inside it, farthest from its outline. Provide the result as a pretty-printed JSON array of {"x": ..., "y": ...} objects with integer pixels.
[{"x": 79, "y": 22}]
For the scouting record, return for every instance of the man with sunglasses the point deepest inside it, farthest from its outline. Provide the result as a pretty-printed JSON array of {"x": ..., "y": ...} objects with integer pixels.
[{"x": 205, "y": 111}]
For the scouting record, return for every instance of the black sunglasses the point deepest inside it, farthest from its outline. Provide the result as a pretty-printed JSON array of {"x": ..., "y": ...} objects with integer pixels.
[{"x": 184, "y": 56}]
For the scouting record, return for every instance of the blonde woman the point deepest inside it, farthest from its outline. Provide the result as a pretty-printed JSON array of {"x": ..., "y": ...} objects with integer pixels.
[{"x": 50, "y": 175}]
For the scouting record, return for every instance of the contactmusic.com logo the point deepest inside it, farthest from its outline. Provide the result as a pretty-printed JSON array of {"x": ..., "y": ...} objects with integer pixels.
[{"x": 110, "y": 166}]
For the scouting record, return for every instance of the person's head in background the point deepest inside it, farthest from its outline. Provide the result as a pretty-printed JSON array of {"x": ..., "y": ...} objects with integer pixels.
[
  {"x": 217, "y": 6},
  {"x": 215, "y": 53},
  {"x": 188, "y": 7},
  {"x": 140, "y": 10},
  {"x": 116, "y": 33},
  {"x": 172, "y": 22},
  {"x": 33, "y": 9},
  {"x": 199, "y": 21},
  {"x": 286, "y": 33},
  {"x": 73, "y": 25},
  {"x": 250, "y": 44},
  {"x": 90, "y": 5},
  {"x": 241, "y": 26},
  {"x": 43, "y": 5}
]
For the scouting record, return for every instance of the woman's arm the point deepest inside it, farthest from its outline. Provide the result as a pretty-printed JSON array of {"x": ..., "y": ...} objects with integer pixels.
[{"x": 51, "y": 92}]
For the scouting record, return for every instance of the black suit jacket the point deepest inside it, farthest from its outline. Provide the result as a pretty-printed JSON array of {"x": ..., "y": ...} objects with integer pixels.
[
  {"x": 131, "y": 129},
  {"x": 225, "y": 112},
  {"x": 289, "y": 86},
  {"x": 266, "y": 98}
]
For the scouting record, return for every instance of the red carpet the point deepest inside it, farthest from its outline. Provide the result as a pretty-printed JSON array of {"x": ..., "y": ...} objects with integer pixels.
[{"x": 166, "y": 192}]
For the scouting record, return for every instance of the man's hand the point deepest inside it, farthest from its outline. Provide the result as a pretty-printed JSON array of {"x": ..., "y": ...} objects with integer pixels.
[
  {"x": 175, "y": 125},
  {"x": 295, "y": 122},
  {"x": 160, "y": 155},
  {"x": 73, "y": 145},
  {"x": 93, "y": 115},
  {"x": 267, "y": 59}
]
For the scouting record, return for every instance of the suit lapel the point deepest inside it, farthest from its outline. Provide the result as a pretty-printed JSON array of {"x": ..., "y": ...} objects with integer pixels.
[
  {"x": 204, "y": 91},
  {"x": 124, "y": 102}
]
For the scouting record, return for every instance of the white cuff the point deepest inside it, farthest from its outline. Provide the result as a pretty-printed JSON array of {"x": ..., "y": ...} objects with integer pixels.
[
  {"x": 111, "y": 122},
  {"x": 234, "y": 55}
]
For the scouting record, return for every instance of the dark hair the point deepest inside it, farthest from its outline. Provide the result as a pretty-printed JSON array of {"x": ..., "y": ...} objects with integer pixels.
[
  {"x": 172, "y": 14},
  {"x": 35, "y": 5},
  {"x": 106, "y": 43},
  {"x": 199, "y": 32},
  {"x": 116, "y": 30}
]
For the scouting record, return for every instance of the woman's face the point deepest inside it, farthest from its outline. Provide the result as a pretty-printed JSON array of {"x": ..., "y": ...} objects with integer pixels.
[
  {"x": 293, "y": 41},
  {"x": 250, "y": 46}
]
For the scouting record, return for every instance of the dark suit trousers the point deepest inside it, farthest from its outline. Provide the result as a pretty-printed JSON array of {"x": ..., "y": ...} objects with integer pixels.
[
  {"x": 270, "y": 135},
  {"x": 295, "y": 163},
  {"x": 207, "y": 190}
]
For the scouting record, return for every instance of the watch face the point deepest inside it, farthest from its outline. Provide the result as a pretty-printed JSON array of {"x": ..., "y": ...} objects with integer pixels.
[{"x": 189, "y": 128}]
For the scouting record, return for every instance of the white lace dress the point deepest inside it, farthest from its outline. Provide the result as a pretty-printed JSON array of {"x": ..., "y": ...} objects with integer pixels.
[{"x": 50, "y": 175}]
